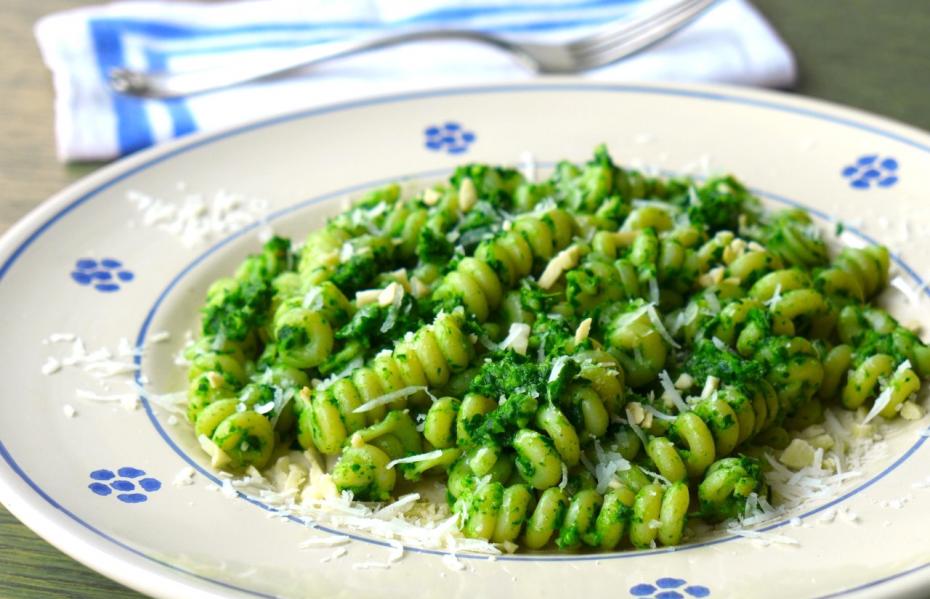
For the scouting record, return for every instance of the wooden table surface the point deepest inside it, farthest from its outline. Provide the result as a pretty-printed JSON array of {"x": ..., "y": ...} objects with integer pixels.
[{"x": 865, "y": 53}]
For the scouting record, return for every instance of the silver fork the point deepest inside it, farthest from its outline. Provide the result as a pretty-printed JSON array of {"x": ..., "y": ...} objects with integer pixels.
[{"x": 591, "y": 51}]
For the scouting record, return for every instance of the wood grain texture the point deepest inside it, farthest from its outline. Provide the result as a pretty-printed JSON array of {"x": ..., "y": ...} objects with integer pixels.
[{"x": 864, "y": 53}]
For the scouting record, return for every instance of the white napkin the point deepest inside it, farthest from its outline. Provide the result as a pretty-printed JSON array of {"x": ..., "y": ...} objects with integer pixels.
[{"x": 731, "y": 43}]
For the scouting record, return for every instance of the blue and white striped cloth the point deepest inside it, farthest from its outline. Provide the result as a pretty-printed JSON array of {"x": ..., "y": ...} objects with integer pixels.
[{"x": 731, "y": 43}]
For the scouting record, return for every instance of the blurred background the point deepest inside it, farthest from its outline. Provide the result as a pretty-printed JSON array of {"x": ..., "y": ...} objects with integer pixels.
[{"x": 862, "y": 53}]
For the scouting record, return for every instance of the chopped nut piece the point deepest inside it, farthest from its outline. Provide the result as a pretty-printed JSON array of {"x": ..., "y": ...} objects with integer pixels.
[
  {"x": 911, "y": 411},
  {"x": 400, "y": 275},
  {"x": 389, "y": 294},
  {"x": 367, "y": 296},
  {"x": 215, "y": 379},
  {"x": 711, "y": 277},
  {"x": 625, "y": 238},
  {"x": 431, "y": 197},
  {"x": 684, "y": 381},
  {"x": 563, "y": 261},
  {"x": 635, "y": 412},
  {"x": 418, "y": 288},
  {"x": 581, "y": 333},
  {"x": 468, "y": 195},
  {"x": 823, "y": 441}
]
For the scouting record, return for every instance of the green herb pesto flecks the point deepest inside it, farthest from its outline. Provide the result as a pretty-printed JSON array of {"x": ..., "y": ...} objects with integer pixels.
[{"x": 585, "y": 361}]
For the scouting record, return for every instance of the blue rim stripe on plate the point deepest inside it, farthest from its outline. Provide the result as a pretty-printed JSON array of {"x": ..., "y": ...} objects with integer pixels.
[{"x": 393, "y": 99}]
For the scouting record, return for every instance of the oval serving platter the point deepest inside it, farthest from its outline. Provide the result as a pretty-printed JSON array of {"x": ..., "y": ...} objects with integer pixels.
[{"x": 99, "y": 285}]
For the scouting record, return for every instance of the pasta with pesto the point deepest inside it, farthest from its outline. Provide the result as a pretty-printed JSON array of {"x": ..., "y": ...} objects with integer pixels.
[{"x": 591, "y": 361}]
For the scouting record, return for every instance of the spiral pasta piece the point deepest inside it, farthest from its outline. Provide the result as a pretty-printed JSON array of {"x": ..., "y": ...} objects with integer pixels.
[
  {"x": 643, "y": 513},
  {"x": 478, "y": 282},
  {"x": 428, "y": 357},
  {"x": 857, "y": 274},
  {"x": 640, "y": 347},
  {"x": 793, "y": 237}
]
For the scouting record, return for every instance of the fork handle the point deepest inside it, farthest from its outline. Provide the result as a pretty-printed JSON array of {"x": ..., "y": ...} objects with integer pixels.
[{"x": 170, "y": 85}]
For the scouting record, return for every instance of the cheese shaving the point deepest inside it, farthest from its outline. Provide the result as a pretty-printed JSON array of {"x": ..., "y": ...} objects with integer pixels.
[
  {"x": 657, "y": 323},
  {"x": 218, "y": 457},
  {"x": 763, "y": 537},
  {"x": 336, "y": 554},
  {"x": 330, "y": 541},
  {"x": 197, "y": 218},
  {"x": 518, "y": 338},
  {"x": 51, "y": 366},
  {"x": 388, "y": 398},
  {"x": 885, "y": 396},
  {"x": 912, "y": 295},
  {"x": 452, "y": 562},
  {"x": 422, "y": 457},
  {"x": 710, "y": 386},
  {"x": 671, "y": 392},
  {"x": 184, "y": 477}
]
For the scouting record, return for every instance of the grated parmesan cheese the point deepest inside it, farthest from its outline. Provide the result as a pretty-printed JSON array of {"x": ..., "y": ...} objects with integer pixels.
[
  {"x": 184, "y": 477},
  {"x": 671, "y": 392},
  {"x": 710, "y": 386},
  {"x": 452, "y": 562},
  {"x": 51, "y": 366},
  {"x": 328, "y": 541},
  {"x": 912, "y": 295},
  {"x": 196, "y": 218},
  {"x": 763, "y": 538},
  {"x": 422, "y": 457},
  {"x": 528, "y": 164},
  {"x": 518, "y": 338},
  {"x": 885, "y": 396},
  {"x": 218, "y": 457},
  {"x": 660, "y": 328},
  {"x": 388, "y": 398},
  {"x": 336, "y": 554}
]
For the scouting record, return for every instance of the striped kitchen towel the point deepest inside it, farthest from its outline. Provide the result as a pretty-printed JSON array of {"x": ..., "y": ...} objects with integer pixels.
[{"x": 731, "y": 43}]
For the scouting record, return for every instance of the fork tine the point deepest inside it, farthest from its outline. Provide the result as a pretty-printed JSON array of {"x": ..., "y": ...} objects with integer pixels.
[
  {"x": 608, "y": 38},
  {"x": 644, "y": 37}
]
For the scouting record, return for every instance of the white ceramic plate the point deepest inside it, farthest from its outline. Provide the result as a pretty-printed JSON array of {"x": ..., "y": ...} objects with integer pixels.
[{"x": 176, "y": 541}]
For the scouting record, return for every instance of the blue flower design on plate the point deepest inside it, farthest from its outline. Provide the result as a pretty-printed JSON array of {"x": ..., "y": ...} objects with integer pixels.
[
  {"x": 451, "y": 137},
  {"x": 669, "y": 588},
  {"x": 105, "y": 275},
  {"x": 872, "y": 170},
  {"x": 131, "y": 485}
]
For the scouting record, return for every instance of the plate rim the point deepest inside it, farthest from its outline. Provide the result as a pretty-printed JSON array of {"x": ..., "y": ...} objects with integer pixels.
[{"x": 152, "y": 575}]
